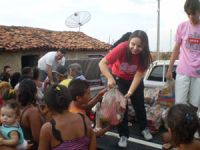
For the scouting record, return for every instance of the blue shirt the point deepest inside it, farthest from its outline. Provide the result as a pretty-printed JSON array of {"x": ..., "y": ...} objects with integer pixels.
[
  {"x": 6, "y": 130},
  {"x": 80, "y": 77}
]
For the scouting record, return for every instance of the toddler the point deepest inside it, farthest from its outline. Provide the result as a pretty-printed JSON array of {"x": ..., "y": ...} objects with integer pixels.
[{"x": 11, "y": 129}]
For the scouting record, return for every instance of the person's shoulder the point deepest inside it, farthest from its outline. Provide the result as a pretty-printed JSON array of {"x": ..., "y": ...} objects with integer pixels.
[
  {"x": 196, "y": 143},
  {"x": 46, "y": 129},
  {"x": 47, "y": 126},
  {"x": 183, "y": 24},
  {"x": 121, "y": 47},
  {"x": 32, "y": 111},
  {"x": 123, "y": 44}
]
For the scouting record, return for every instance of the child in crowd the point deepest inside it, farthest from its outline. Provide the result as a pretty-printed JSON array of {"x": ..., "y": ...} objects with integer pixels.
[
  {"x": 3, "y": 85},
  {"x": 44, "y": 111},
  {"x": 80, "y": 93},
  {"x": 9, "y": 94},
  {"x": 66, "y": 130},
  {"x": 41, "y": 85},
  {"x": 11, "y": 129},
  {"x": 182, "y": 123},
  {"x": 5, "y": 77}
]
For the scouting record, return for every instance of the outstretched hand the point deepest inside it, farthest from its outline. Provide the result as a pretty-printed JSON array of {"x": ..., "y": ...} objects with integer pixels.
[{"x": 102, "y": 92}]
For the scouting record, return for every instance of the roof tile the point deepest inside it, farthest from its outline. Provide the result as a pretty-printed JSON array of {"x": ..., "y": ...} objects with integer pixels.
[{"x": 25, "y": 38}]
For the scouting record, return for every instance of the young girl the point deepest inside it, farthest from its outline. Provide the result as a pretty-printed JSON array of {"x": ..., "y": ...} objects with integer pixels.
[
  {"x": 130, "y": 60},
  {"x": 66, "y": 130},
  {"x": 11, "y": 129},
  {"x": 44, "y": 111},
  {"x": 9, "y": 94},
  {"x": 182, "y": 123}
]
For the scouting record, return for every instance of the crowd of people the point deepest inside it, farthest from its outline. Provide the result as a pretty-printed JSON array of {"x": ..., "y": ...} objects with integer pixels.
[
  {"x": 45, "y": 107},
  {"x": 35, "y": 111}
]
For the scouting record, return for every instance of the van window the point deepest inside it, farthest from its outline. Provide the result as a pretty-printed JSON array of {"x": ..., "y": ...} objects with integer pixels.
[{"x": 157, "y": 73}]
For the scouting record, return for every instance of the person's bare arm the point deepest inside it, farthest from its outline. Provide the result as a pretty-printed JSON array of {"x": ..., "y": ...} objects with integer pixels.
[
  {"x": 174, "y": 57},
  {"x": 45, "y": 137},
  {"x": 103, "y": 65},
  {"x": 91, "y": 134},
  {"x": 136, "y": 81},
  {"x": 44, "y": 111},
  {"x": 13, "y": 141},
  {"x": 49, "y": 72},
  {"x": 96, "y": 99},
  {"x": 46, "y": 82},
  {"x": 103, "y": 131},
  {"x": 35, "y": 124},
  {"x": 2, "y": 147}
]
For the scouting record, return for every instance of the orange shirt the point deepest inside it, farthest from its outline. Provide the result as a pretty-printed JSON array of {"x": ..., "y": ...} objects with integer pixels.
[{"x": 74, "y": 109}]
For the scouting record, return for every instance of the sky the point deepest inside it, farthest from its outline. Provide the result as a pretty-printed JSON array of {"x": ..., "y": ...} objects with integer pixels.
[{"x": 110, "y": 19}]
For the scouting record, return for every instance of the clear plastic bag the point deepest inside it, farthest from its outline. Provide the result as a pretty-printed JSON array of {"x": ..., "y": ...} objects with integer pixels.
[
  {"x": 168, "y": 88},
  {"x": 150, "y": 95},
  {"x": 112, "y": 107}
]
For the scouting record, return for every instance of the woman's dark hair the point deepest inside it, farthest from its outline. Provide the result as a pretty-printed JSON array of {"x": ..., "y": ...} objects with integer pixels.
[
  {"x": 5, "y": 76},
  {"x": 9, "y": 94},
  {"x": 25, "y": 76},
  {"x": 26, "y": 70},
  {"x": 145, "y": 55},
  {"x": 36, "y": 73},
  {"x": 78, "y": 87},
  {"x": 124, "y": 38},
  {"x": 192, "y": 5},
  {"x": 183, "y": 122},
  {"x": 13, "y": 104},
  {"x": 27, "y": 91},
  {"x": 57, "y": 97},
  {"x": 15, "y": 79}
]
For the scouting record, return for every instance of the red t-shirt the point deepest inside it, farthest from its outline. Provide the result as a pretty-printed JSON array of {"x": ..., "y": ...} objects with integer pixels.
[
  {"x": 1, "y": 101},
  {"x": 120, "y": 67}
]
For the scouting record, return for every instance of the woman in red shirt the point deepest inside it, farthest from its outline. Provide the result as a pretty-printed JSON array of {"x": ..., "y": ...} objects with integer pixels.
[{"x": 130, "y": 60}]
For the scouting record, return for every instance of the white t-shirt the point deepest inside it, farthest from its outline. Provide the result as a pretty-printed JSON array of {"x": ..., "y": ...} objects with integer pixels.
[{"x": 50, "y": 60}]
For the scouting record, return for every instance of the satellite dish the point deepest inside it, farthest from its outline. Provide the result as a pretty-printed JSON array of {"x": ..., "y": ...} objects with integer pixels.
[{"x": 78, "y": 19}]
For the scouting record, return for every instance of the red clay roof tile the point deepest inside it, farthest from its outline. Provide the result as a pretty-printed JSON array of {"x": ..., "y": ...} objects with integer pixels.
[{"x": 25, "y": 38}]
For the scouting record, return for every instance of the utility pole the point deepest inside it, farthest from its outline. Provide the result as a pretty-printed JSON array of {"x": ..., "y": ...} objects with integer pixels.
[{"x": 158, "y": 30}]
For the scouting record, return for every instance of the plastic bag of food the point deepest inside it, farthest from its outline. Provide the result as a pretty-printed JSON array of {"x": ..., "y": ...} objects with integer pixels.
[
  {"x": 112, "y": 107},
  {"x": 168, "y": 88},
  {"x": 154, "y": 118},
  {"x": 150, "y": 95}
]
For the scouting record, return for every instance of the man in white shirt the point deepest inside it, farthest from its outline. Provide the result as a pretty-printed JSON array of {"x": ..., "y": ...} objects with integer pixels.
[{"x": 48, "y": 64}]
